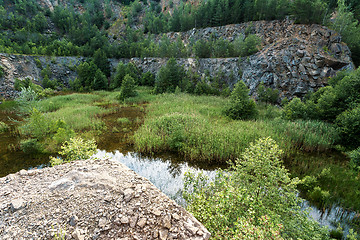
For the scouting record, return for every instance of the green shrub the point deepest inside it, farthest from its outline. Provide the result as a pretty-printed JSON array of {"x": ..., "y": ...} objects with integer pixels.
[
  {"x": 308, "y": 183},
  {"x": 355, "y": 159},
  {"x": 100, "y": 81},
  {"x": 240, "y": 106},
  {"x": 38, "y": 63},
  {"x": 75, "y": 149},
  {"x": 238, "y": 195},
  {"x": 127, "y": 88},
  {"x": 3, "y": 127},
  {"x": 147, "y": 79},
  {"x": 267, "y": 95},
  {"x": 169, "y": 77},
  {"x": 26, "y": 100},
  {"x": 2, "y": 73},
  {"x": 202, "y": 49},
  {"x": 295, "y": 109},
  {"x": 31, "y": 146},
  {"x": 250, "y": 46},
  {"x": 319, "y": 196},
  {"x": 349, "y": 127}
]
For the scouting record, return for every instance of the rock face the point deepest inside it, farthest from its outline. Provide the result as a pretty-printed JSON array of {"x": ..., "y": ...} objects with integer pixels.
[
  {"x": 295, "y": 59},
  {"x": 92, "y": 199}
]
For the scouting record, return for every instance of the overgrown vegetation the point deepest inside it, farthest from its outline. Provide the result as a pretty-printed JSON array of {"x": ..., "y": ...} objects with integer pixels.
[{"x": 239, "y": 202}]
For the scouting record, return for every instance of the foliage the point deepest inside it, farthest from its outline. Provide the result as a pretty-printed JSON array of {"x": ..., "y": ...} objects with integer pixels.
[
  {"x": 26, "y": 100},
  {"x": 355, "y": 159},
  {"x": 241, "y": 106},
  {"x": 169, "y": 77},
  {"x": 127, "y": 88},
  {"x": 349, "y": 127},
  {"x": 295, "y": 109},
  {"x": 3, "y": 127},
  {"x": 147, "y": 79},
  {"x": 31, "y": 146},
  {"x": 267, "y": 95},
  {"x": 348, "y": 27},
  {"x": 308, "y": 11},
  {"x": 100, "y": 80},
  {"x": 75, "y": 149},
  {"x": 246, "y": 194},
  {"x": 2, "y": 73}
]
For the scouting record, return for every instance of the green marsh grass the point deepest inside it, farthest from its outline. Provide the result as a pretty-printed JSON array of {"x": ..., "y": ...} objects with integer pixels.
[{"x": 195, "y": 127}]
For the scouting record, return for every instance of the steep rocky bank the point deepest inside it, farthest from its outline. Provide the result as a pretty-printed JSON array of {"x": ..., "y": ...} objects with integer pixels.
[
  {"x": 295, "y": 59},
  {"x": 92, "y": 199}
]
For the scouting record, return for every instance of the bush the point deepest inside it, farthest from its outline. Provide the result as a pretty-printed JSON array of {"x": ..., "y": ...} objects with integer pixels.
[
  {"x": 250, "y": 46},
  {"x": 2, "y": 73},
  {"x": 267, "y": 95},
  {"x": 295, "y": 109},
  {"x": 31, "y": 146},
  {"x": 240, "y": 106},
  {"x": 355, "y": 159},
  {"x": 147, "y": 79},
  {"x": 127, "y": 88},
  {"x": 100, "y": 81},
  {"x": 238, "y": 195},
  {"x": 349, "y": 127},
  {"x": 202, "y": 49},
  {"x": 169, "y": 77},
  {"x": 3, "y": 127},
  {"x": 75, "y": 149},
  {"x": 26, "y": 100}
]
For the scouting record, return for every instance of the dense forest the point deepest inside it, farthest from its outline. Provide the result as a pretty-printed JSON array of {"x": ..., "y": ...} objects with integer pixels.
[{"x": 28, "y": 28}]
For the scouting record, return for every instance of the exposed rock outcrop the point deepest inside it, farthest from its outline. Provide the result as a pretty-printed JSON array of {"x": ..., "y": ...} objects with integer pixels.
[
  {"x": 295, "y": 59},
  {"x": 92, "y": 199}
]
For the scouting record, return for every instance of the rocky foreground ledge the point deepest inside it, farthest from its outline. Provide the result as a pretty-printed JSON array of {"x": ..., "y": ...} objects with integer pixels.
[{"x": 92, "y": 199}]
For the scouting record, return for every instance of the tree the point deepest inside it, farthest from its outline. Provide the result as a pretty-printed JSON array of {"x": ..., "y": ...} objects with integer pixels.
[
  {"x": 240, "y": 105},
  {"x": 127, "y": 88},
  {"x": 243, "y": 197},
  {"x": 119, "y": 75},
  {"x": 169, "y": 77},
  {"x": 100, "y": 80},
  {"x": 101, "y": 61}
]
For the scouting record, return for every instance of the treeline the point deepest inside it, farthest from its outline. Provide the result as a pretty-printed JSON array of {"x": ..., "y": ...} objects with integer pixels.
[{"x": 222, "y": 12}]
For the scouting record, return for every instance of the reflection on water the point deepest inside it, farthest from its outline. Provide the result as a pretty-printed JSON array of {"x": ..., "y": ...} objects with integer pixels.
[
  {"x": 331, "y": 216},
  {"x": 163, "y": 173}
]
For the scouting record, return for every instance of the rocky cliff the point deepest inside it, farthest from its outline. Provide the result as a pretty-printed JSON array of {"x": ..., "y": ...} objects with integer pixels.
[
  {"x": 295, "y": 59},
  {"x": 92, "y": 199}
]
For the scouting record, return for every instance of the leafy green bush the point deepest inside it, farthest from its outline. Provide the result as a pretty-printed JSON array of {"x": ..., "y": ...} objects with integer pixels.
[
  {"x": 247, "y": 193},
  {"x": 1, "y": 72},
  {"x": 267, "y": 95},
  {"x": 349, "y": 127},
  {"x": 355, "y": 159},
  {"x": 3, "y": 127},
  {"x": 295, "y": 109},
  {"x": 240, "y": 106},
  {"x": 250, "y": 46},
  {"x": 31, "y": 146},
  {"x": 75, "y": 149},
  {"x": 147, "y": 79},
  {"x": 127, "y": 88}
]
